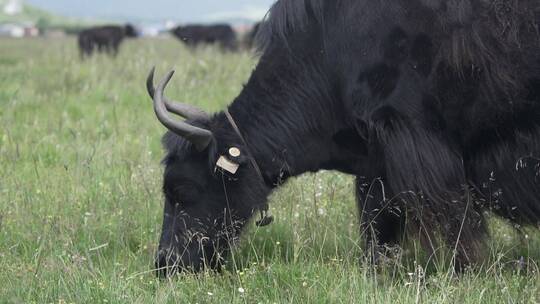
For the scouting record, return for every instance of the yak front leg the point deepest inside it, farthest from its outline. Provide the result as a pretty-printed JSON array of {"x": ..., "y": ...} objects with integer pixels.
[{"x": 381, "y": 224}]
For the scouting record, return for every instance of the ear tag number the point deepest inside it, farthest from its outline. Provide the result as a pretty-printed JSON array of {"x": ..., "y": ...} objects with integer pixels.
[{"x": 227, "y": 165}]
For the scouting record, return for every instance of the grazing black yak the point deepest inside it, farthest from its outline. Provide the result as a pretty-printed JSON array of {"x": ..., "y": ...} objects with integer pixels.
[
  {"x": 220, "y": 34},
  {"x": 434, "y": 105},
  {"x": 104, "y": 39}
]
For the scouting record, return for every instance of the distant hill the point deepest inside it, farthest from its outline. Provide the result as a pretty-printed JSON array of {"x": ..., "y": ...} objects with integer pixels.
[{"x": 17, "y": 11}]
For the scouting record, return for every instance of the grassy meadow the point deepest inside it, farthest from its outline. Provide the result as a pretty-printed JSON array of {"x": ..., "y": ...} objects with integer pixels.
[{"x": 81, "y": 205}]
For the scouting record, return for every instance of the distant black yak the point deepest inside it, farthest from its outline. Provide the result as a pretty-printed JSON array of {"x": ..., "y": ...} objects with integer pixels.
[
  {"x": 104, "y": 39},
  {"x": 434, "y": 105},
  {"x": 251, "y": 37},
  {"x": 220, "y": 34}
]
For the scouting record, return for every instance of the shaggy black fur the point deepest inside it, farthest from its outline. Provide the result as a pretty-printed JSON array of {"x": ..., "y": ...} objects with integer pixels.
[
  {"x": 104, "y": 39},
  {"x": 433, "y": 105}
]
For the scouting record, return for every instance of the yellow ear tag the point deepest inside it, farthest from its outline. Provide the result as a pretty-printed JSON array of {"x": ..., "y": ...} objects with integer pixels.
[{"x": 227, "y": 165}]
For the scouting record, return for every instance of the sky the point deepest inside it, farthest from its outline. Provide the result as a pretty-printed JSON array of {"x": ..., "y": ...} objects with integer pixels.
[{"x": 155, "y": 10}]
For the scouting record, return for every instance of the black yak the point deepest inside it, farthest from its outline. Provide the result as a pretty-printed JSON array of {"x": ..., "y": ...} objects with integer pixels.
[
  {"x": 104, "y": 39},
  {"x": 194, "y": 35},
  {"x": 251, "y": 37},
  {"x": 433, "y": 105}
]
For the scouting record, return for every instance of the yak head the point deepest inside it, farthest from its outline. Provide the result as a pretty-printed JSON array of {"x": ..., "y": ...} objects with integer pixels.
[
  {"x": 130, "y": 31},
  {"x": 210, "y": 188}
]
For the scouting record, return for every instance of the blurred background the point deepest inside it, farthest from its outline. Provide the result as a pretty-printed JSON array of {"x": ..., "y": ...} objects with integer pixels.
[{"x": 19, "y": 18}]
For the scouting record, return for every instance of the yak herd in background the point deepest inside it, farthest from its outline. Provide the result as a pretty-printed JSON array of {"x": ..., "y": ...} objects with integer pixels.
[{"x": 107, "y": 39}]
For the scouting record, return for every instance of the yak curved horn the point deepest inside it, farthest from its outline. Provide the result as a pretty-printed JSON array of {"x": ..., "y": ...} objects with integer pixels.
[
  {"x": 182, "y": 109},
  {"x": 199, "y": 137}
]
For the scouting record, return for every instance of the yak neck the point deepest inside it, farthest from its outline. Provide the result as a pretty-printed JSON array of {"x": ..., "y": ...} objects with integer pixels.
[{"x": 288, "y": 130}]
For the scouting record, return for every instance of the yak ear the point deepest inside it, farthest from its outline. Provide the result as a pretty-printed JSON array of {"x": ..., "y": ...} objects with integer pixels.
[
  {"x": 416, "y": 158},
  {"x": 350, "y": 140}
]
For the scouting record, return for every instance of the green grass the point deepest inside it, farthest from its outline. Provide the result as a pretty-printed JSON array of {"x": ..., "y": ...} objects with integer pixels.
[{"x": 80, "y": 201}]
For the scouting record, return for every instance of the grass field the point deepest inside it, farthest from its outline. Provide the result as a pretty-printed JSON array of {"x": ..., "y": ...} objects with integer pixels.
[{"x": 80, "y": 200}]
